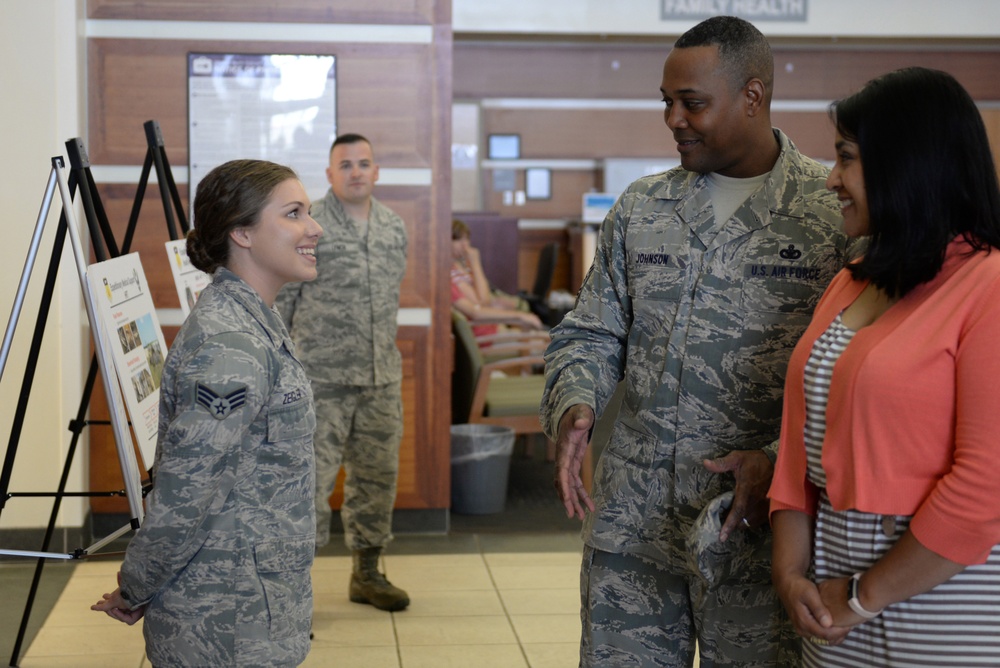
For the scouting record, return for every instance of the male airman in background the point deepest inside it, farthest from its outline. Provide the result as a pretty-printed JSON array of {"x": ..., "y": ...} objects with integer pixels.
[{"x": 344, "y": 328}]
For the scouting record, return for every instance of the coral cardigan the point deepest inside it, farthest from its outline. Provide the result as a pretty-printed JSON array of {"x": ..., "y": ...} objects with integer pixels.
[{"x": 913, "y": 419}]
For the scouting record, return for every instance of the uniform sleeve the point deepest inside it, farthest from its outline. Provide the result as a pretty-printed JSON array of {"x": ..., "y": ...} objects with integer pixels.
[
  {"x": 207, "y": 411},
  {"x": 960, "y": 519},
  {"x": 586, "y": 357}
]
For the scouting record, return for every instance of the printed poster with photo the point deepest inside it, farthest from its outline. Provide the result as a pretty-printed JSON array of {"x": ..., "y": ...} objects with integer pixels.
[
  {"x": 188, "y": 279},
  {"x": 125, "y": 310}
]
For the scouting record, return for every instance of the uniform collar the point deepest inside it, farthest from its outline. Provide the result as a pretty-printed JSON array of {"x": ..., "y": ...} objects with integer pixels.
[
  {"x": 337, "y": 208},
  {"x": 246, "y": 296},
  {"x": 780, "y": 195}
]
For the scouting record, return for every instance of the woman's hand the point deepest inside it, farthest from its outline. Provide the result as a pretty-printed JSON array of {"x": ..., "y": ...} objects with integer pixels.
[
  {"x": 530, "y": 320},
  {"x": 834, "y": 595},
  {"x": 472, "y": 257},
  {"x": 117, "y": 607},
  {"x": 811, "y": 618},
  {"x": 806, "y": 608}
]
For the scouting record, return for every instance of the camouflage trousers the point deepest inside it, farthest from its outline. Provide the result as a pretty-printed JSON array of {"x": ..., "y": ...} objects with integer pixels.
[
  {"x": 359, "y": 428},
  {"x": 635, "y": 612}
]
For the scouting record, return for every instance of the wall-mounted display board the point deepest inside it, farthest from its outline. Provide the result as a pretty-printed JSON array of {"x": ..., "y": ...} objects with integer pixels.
[
  {"x": 538, "y": 183},
  {"x": 276, "y": 107}
]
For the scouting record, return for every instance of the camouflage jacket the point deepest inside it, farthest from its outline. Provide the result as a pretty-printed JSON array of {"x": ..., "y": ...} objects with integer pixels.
[
  {"x": 222, "y": 558},
  {"x": 699, "y": 319},
  {"x": 344, "y": 323}
]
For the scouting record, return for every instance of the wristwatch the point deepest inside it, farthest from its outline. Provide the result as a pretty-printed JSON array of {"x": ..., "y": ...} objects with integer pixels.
[{"x": 853, "y": 586}]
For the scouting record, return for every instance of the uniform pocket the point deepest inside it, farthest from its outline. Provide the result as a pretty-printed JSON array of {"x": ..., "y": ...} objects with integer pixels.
[
  {"x": 632, "y": 446},
  {"x": 341, "y": 261},
  {"x": 291, "y": 422},
  {"x": 655, "y": 277},
  {"x": 283, "y": 568},
  {"x": 285, "y": 461}
]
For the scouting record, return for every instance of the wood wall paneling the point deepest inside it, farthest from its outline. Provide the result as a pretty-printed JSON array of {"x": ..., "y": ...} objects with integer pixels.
[
  {"x": 485, "y": 70},
  {"x": 812, "y": 132},
  {"x": 991, "y": 118},
  {"x": 385, "y": 92},
  {"x": 417, "y": 12},
  {"x": 583, "y": 133},
  {"x": 554, "y": 70},
  {"x": 829, "y": 74},
  {"x": 566, "y": 203},
  {"x": 414, "y": 204},
  {"x": 531, "y": 243},
  {"x": 399, "y": 95}
]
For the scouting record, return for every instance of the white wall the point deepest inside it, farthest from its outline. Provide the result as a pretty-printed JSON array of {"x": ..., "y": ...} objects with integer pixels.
[
  {"x": 826, "y": 18},
  {"x": 39, "y": 110}
]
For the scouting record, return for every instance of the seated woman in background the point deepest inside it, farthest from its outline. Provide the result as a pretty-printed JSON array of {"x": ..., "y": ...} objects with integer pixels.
[
  {"x": 471, "y": 294},
  {"x": 884, "y": 505}
]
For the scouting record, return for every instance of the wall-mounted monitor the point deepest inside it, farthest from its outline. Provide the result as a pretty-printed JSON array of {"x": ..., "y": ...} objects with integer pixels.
[{"x": 503, "y": 147}]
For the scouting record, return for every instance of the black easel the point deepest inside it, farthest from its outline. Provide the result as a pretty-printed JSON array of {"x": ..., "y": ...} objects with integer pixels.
[
  {"x": 99, "y": 229},
  {"x": 156, "y": 155}
]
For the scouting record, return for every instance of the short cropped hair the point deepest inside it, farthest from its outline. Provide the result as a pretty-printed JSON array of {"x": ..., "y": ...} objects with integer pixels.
[
  {"x": 928, "y": 174},
  {"x": 350, "y": 138},
  {"x": 743, "y": 50}
]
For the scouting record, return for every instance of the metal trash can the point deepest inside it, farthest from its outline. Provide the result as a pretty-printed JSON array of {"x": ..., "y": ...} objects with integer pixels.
[{"x": 480, "y": 466}]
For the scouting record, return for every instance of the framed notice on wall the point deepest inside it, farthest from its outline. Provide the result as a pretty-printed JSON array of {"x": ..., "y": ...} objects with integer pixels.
[{"x": 276, "y": 107}]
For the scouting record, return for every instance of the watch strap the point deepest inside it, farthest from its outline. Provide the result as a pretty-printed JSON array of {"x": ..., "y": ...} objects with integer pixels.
[{"x": 854, "y": 600}]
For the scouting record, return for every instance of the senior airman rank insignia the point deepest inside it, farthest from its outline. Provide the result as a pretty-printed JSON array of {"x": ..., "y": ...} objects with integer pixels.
[{"x": 220, "y": 406}]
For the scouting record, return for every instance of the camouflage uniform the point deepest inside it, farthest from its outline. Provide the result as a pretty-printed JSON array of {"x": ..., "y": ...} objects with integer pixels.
[
  {"x": 344, "y": 325},
  {"x": 699, "y": 318},
  {"x": 222, "y": 558}
]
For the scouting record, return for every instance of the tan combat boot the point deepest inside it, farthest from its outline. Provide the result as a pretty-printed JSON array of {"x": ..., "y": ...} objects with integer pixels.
[{"x": 368, "y": 585}]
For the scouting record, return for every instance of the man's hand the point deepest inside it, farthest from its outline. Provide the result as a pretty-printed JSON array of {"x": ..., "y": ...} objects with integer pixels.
[
  {"x": 571, "y": 446},
  {"x": 753, "y": 471}
]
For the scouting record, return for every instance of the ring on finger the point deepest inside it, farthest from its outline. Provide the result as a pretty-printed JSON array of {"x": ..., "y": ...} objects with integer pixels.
[{"x": 818, "y": 641}]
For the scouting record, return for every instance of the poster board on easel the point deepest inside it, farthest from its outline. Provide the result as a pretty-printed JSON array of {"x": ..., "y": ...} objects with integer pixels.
[
  {"x": 130, "y": 335},
  {"x": 188, "y": 279}
]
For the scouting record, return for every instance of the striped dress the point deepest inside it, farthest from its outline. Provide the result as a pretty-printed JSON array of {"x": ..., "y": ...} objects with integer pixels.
[{"x": 955, "y": 624}]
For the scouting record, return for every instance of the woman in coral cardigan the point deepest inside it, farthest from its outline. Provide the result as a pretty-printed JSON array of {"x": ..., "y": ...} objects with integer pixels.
[{"x": 884, "y": 504}]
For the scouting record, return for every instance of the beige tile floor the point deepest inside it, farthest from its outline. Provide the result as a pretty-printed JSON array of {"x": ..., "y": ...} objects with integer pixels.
[{"x": 490, "y": 610}]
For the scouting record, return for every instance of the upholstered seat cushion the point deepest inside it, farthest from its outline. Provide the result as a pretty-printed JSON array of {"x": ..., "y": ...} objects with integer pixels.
[{"x": 514, "y": 395}]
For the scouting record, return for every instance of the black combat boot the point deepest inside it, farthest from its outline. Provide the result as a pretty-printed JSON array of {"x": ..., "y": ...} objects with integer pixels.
[{"x": 368, "y": 585}]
